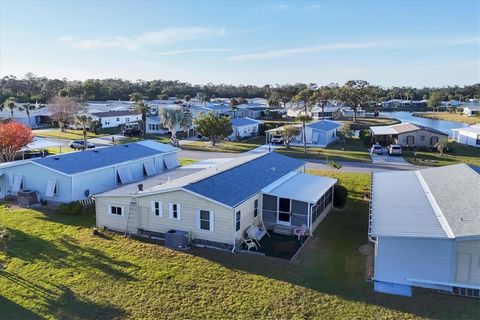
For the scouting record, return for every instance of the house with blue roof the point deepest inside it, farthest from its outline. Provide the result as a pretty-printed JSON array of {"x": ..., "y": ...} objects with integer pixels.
[
  {"x": 77, "y": 175},
  {"x": 244, "y": 128},
  {"x": 220, "y": 206},
  {"x": 318, "y": 133}
]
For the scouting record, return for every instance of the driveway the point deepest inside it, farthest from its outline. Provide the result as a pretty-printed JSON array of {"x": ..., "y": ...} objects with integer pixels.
[{"x": 386, "y": 159}]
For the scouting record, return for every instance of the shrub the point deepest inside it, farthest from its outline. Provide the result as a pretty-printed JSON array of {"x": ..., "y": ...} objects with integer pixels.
[
  {"x": 340, "y": 196},
  {"x": 365, "y": 136},
  {"x": 73, "y": 208}
]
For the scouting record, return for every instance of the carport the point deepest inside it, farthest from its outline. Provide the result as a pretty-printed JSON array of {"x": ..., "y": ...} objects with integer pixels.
[{"x": 384, "y": 135}]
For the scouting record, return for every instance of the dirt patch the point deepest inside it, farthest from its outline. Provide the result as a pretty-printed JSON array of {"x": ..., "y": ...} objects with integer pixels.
[{"x": 368, "y": 251}]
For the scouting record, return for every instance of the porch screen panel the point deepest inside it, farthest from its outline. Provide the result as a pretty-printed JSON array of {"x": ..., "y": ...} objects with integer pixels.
[
  {"x": 299, "y": 213},
  {"x": 269, "y": 211}
]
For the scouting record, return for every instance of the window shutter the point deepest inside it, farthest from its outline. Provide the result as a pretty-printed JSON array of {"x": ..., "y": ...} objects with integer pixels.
[
  {"x": 197, "y": 218},
  {"x": 170, "y": 210},
  {"x": 160, "y": 209},
  {"x": 212, "y": 219},
  {"x": 152, "y": 206},
  {"x": 179, "y": 211}
]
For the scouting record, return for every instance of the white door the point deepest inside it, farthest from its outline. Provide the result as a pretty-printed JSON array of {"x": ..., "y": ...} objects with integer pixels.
[{"x": 463, "y": 267}]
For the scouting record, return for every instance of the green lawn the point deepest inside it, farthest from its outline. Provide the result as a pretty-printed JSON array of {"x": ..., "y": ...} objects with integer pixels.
[
  {"x": 186, "y": 162},
  {"x": 69, "y": 134},
  {"x": 54, "y": 268},
  {"x": 449, "y": 116},
  {"x": 225, "y": 146},
  {"x": 365, "y": 123},
  {"x": 459, "y": 153},
  {"x": 352, "y": 150}
]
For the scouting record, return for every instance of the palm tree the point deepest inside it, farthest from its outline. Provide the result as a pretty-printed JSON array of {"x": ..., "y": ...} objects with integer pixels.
[
  {"x": 27, "y": 107},
  {"x": 304, "y": 98},
  {"x": 142, "y": 108},
  {"x": 171, "y": 118},
  {"x": 10, "y": 103},
  {"x": 442, "y": 146},
  {"x": 135, "y": 96},
  {"x": 186, "y": 122},
  {"x": 85, "y": 122}
]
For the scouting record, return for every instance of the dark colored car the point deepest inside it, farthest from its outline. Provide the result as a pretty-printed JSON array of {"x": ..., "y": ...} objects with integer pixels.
[{"x": 132, "y": 132}]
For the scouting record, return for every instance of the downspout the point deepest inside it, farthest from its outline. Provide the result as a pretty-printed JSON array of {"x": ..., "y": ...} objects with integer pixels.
[{"x": 233, "y": 229}]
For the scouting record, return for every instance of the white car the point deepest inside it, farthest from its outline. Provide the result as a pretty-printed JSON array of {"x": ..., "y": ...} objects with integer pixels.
[
  {"x": 276, "y": 139},
  {"x": 395, "y": 150},
  {"x": 78, "y": 145},
  {"x": 376, "y": 149}
]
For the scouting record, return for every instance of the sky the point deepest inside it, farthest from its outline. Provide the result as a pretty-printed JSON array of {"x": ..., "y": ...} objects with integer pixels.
[{"x": 388, "y": 43}]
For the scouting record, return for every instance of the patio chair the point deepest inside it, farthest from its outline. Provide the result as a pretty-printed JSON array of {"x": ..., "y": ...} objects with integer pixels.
[
  {"x": 256, "y": 233},
  {"x": 250, "y": 244},
  {"x": 301, "y": 231}
]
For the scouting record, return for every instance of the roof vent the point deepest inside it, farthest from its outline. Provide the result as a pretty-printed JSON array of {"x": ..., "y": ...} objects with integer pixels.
[
  {"x": 273, "y": 169},
  {"x": 96, "y": 151},
  {"x": 125, "y": 145},
  {"x": 56, "y": 158},
  {"x": 140, "y": 186}
]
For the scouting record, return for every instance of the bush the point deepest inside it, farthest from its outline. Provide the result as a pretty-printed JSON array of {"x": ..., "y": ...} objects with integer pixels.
[
  {"x": 73, "y": 208},
  {"x": 340, "y": 194},
  {"x": 365, "y": 136}
]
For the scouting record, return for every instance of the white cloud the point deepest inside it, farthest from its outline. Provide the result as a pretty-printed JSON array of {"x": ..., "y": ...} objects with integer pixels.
[
  {"x": 161, "y": 37},
  {"x": 193, "y": 50},
  {"x": 282, "y": 53}
]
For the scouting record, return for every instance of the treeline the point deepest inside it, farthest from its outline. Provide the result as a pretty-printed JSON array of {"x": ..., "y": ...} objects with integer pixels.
[{"x": 32, "y": 88}]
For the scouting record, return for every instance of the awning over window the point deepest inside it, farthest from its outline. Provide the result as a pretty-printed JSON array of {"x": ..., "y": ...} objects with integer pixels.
[
  {"x": 51, "y": 188},
  {"x": 149, "y": 168},
  {"x": 171, "y": 160},
  {"x": 17, "y": 182},
  {"x": 301, "y": 187},
  {"x": 124, "y": 174}
]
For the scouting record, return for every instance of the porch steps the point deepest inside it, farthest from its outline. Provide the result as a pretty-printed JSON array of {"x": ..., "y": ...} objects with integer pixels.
[{"x": 285, "y": 230}]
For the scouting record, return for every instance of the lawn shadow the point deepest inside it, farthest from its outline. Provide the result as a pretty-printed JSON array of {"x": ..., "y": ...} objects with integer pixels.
[
  {"x": 85, "y": 219},
  {"x": 12, "y": 310},
  {"x": 331, "y": 263}
]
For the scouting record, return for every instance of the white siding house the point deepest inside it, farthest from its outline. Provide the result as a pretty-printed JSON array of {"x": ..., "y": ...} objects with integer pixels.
[
  {"x": 469, "y": 136},
  {"x": 111, "y": 119},
  {"x": 471, "y": 111},
  {"x": 77, "y": 175},
  {"x": 426, "y": 232},
  {"x": 218, "y": 204},
  {"x": 318, "y": 134},
  {"x": 244, "y": 128}
]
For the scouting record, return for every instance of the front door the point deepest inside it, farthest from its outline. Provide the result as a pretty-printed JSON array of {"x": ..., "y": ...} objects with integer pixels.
[{"x": 283, "y": 211}]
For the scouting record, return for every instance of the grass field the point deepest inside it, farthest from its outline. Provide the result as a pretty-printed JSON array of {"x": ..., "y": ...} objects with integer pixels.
[
  {"x": 225, "y": 146},
  {"x": 55, "y": 268},
  {"x": 458, "y": 153},
  {"x": 353, "y": 150},
  {"x": 365, "y": 123},
  {"x": 186, "y": 162},
  {"x": 68, "y": 135},
  {"x": 449, "y": 116}
]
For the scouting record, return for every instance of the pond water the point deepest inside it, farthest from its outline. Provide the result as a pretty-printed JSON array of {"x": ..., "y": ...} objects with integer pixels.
[{"x": 441, "y": 125}]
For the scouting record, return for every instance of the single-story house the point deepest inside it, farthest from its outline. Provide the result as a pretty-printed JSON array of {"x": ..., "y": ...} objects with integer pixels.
[
  {"x": 471, "y": 111},
  {"x": 407, "y": 135},
  {"x": 76, "y": 175},
  {"x": 38, "y": 117},
  {"x": 425, "y": 225},
  {"x": 327, "y": 112},
  {"x": 252, "y": 110},
  {"x": 111, "y": 119},
  {"x": 217, "y": 205},
  {"x": 154, "y": 126},
  {"x": 468, "y": 135},
  {"x": 318, "y": 133},
  {"x": 244, "y": 128}
]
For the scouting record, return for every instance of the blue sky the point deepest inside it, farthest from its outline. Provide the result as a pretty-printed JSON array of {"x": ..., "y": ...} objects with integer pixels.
[{"x": 417, "y": 43}]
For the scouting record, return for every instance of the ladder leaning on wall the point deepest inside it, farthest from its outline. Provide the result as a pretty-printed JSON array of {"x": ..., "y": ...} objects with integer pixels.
[{"x": 132, "y": 211}]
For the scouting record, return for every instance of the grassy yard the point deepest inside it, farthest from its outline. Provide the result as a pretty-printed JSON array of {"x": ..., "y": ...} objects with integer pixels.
[
  {"x": 353, "y": 150},
  {"x": 365, "y": 123},
  {"x": 68, "y": 135},
  {"x": 449, "y": 116},
  {"x": 186, "y": 162},
  {"x": 225, "y": 146},
  {"x": 54, "y": 268},
  {"x": 458, "y": 153}
]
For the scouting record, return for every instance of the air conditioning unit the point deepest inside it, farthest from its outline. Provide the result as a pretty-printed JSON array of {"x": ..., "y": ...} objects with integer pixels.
[{"x": 177, "y": 239}]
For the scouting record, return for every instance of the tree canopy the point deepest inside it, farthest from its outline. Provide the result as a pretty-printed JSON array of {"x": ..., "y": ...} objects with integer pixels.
[
  {"x": 214, "y": 127},
  {"x": 13, "y": 137}
]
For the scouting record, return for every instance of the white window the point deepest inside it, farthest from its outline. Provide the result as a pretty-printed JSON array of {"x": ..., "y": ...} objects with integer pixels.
[
  {"x": 422, "y": 138},
  {"x": 237, "y": 220},
  {"x": 128, "y": 119},
  {"x": 118, "y": 211},
  {"x": 157, "y": 208},
  {"x": 118, "y": 119},
  {"x": 174, "y": 211},
  {"x": 205, "y": 220}
]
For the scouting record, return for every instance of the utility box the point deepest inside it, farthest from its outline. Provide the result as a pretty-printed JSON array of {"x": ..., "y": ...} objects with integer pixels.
[{"x": 177, "y": 239}]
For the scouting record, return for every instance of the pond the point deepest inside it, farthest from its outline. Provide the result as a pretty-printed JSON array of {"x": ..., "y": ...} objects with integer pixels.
[{"x": 441, "y": 125}]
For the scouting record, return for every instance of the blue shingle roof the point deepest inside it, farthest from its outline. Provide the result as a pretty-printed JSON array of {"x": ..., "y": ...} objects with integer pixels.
[
  {"x": 237, "y": 122},
  {"x": 324, "y": 125},
  {"x": 236, "y": 185},
  {"x": 76, "y": 162}
]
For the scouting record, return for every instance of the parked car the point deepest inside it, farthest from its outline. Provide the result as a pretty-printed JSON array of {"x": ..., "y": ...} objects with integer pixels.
[
  {"x": 276, "y": 139},
  {"x": 132, "y": 132},
  {"x": 376, "y": 149},
  {"x": 395, "y": 150},
  {"x": 78, "y": 144}
]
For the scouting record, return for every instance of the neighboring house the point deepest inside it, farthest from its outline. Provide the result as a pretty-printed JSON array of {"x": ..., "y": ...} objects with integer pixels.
[
  {"x": 407, "y": 135},
  {"x": 154, "y": 126},
  {"x": 398, "y": 103},
  {"x": 469, "y": 135},
  {"x": 251, "y": 110},
  {"x": 218, "y": 204},
  {"x": 76, "y": 175},
  {"x": 244, "y": 128},
  {"x": 327, "y": 112},
  {"x": 111, "y": 119},
  {"x": 318, "y": 134},
  {"x": 349, "y": 113},
  {"x": 426, "y": 229},
  {"x": 38, "y": 118},
  {"x": 471, "y": 111}
]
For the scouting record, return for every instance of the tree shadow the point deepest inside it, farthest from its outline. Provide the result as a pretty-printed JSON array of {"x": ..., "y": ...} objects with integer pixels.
[
  {"x": 12, "y": 310},
  {"x": 86, "y": 219},
  {"x": 66, "y": 252}
]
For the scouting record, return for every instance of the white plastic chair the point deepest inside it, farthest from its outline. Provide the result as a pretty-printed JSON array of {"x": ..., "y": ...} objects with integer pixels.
[{"x": 250, "y": 244}]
